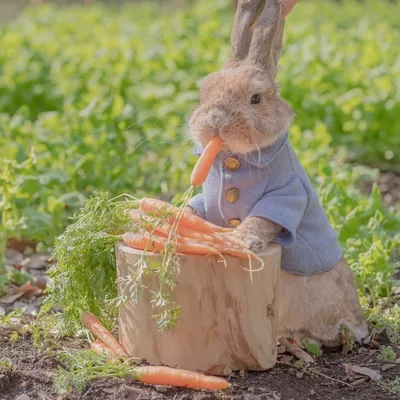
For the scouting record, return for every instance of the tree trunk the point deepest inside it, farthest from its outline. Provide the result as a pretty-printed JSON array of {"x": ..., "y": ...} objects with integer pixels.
[{"x": 227, "y": 319}]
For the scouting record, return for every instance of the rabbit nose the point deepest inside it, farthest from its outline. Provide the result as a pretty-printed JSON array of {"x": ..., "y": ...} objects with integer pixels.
[{"x": 216, "y": 117}]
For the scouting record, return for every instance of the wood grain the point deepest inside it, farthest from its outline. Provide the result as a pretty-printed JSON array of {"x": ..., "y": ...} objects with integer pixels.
[{"x": 227, "y": 320}]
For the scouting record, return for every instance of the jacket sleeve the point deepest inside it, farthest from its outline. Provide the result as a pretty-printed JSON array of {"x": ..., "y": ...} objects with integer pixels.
[
  {"x": 285, "y": 206},
  {"x": 197, "y": 203}
]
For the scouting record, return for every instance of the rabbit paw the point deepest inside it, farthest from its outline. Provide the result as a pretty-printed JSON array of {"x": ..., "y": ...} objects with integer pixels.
[{"x": 256, "y": 245}]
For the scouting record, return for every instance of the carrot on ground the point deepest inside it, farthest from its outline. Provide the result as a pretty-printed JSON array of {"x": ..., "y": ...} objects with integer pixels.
[
  {"x": 98, "y": 329},
  {"x": 205, "y": 161},
  {"x": 180, "y": 378},
  {"x": 157, "y": 207},
  {"x": 99, "y": 347}
]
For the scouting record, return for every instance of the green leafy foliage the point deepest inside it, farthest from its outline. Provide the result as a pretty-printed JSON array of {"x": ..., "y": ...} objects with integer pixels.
[
  {"x": 84, "y": 365},
  {"x": 387, "y": 353},
  {"x": 394, "y": 385},
  {"x": 84, "y": 277}
]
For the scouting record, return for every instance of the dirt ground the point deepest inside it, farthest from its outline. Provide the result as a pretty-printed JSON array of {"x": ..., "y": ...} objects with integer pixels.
[{"x": 34, "y": 369}]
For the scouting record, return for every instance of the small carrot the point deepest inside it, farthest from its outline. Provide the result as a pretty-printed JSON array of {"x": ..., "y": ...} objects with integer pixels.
[
  {"x": 180, "y": 378},
  {"x": 205, "y": 161},
  {"x": 166, "y": 376},
  {"x": 155, "y": 243},
  {"x": 97, "y": 328},
  {"x": 157, "y": 207}
]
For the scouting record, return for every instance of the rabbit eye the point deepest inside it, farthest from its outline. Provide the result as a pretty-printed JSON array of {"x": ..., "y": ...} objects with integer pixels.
[{"x": 255, "y": 99}]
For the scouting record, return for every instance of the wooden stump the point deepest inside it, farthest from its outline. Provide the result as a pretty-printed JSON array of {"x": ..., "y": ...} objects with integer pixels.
[{"x": 227, "y": 320}]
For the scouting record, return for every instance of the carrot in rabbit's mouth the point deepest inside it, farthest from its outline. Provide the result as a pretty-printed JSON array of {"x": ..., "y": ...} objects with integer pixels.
[{"x": 206, "y": 160}]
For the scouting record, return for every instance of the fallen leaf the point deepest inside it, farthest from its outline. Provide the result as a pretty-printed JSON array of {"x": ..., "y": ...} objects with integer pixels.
[
  {"x": 26, "y": 287},
  {"x": 371, "y": 373},
  {"x": 11, "y": 298},
  {"x": 359, "y": 381},
  {"x": 109, "y": 390},
  {"x": 387, "y": 367},
  {"x": 40, "y": 281},
  {"x": 296, "y": 351}
]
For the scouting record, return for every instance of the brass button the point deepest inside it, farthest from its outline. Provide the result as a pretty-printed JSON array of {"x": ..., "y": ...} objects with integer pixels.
[
  {"x": 232, "y": 163},
  {"x": 234, "y": 223},
  {"x": 232, "y": 195}
]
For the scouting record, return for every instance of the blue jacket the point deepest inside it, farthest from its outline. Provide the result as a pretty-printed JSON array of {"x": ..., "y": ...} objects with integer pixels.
[{"x": 272, "y": 184}]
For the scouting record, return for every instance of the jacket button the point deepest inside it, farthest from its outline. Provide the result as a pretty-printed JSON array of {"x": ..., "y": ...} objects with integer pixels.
[
  {"x": 234, "y": 223},
  {"x": 232, "y": 195},
  {"x": 232, "y": 163}
]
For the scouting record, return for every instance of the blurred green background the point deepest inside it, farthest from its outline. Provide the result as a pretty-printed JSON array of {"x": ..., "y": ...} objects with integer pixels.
[{"x": 96, "y": 97}]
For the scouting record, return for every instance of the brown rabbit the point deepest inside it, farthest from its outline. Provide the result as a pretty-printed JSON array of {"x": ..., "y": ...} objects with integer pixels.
[{"x": 258, "y": 186}]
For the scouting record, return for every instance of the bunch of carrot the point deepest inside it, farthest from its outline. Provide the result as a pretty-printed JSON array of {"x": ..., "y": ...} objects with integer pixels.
[
  {"x": 162, "y": 223},
  {"x": 107, "y": 344}
]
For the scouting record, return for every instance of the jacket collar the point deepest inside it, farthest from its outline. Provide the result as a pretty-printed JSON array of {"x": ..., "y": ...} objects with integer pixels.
[{"x": 257, "y": 158}]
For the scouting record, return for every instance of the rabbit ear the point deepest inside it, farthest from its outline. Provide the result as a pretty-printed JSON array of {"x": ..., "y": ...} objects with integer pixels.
[
  {"x": 264, "y": 42},
  {"x": 246, "y": 14},
  {"x": 277, "y": 46}
]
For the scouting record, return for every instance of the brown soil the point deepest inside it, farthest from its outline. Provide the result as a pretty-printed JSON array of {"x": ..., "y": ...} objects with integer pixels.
[
  {"x": 34, "y": 369},
  {"x": 389, "y": 184}
]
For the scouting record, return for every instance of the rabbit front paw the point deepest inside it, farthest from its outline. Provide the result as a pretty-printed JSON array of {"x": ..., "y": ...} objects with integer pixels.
[{"x": 255, "y": 244}]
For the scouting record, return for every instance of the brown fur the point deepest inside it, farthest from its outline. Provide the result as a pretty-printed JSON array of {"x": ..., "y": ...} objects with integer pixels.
[
  {"x": 225, "y": 108},
  {"x": 316, "y": 306},
  {"x": 311, "y": 306}
]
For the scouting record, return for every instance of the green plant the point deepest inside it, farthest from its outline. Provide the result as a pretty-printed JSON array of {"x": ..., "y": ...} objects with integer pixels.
[
  {"x": 84, "y": 277},
  {"x": 84, "y": 365},
  {"x": 312, "y": 347},
  {"x": 386, "y": 353},
  {"x": 394, "y": 386},
  {"x": 387, "y": 317},
  {"x": 5, "y": 364},
  {"x": 14, "y": 337}
]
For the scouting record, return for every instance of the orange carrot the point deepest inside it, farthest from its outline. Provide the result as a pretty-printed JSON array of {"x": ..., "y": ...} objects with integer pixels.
[
  {"x": 157, "y": 207},
  {"x": 99, "y": 347},
  {"x": 155, "y": 243},
  {"x": 178, "y": 377},
  {"x": 205, "y": 161},
  {"x": 164, "y": 229},
  {"x": 234, "y": 240},
  {"x": 96, "y": 327},
  {"x": 200, "y": 236}
]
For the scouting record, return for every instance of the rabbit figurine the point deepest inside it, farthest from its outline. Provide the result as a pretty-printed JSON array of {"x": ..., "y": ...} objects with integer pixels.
[{"x": 258, "y": 187}]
